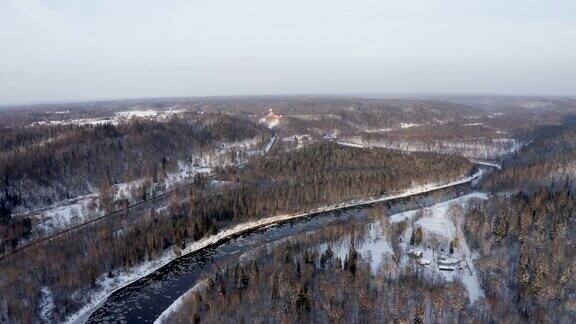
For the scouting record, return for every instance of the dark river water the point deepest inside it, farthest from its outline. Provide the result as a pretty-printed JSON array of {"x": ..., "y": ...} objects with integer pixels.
[{"x": 145, "y": 299}]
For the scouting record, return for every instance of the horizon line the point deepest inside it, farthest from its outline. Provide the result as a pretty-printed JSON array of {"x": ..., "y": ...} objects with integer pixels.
[{"x": 351, "y": 95}]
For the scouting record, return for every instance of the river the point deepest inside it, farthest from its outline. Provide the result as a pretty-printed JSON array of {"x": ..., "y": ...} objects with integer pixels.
[{"x": 145, "y": 299}]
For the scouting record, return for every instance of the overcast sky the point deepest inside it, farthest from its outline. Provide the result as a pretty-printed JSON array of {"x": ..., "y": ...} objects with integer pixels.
[{"x": 52, "y": 50}]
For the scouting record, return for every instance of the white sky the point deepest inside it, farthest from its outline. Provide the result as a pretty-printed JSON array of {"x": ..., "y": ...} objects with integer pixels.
[{"x": 92, "y": 49}]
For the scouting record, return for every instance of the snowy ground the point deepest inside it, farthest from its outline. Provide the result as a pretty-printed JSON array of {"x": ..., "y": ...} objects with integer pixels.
[
  {"x": 439, "y": 229},
  {"x": 271, "y": 123},
  {"x": 488, "y": 163},
  {"x": 485, "y": 149},
  {"x": 269, "y": 144},
  {"x": 46, "y": 304},
  {"x": 435, "y": 221},
  {"x": 68, "y": 213},
  {"x": 127, "y": 276},
  {"x": 78, "y": 210},
  {"x": 379, "y": 130},
  {"x": 298, "y": 140},
  {"x": 409, "y": 125},
  {"x": 120, "y": 116},
  {"x": 374, "y": 246}
]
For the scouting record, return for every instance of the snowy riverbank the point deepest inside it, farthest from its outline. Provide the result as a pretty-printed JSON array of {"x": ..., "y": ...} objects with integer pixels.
[
  {"x": 410, "y": 192},
  {"x": 126, "y": 277}
]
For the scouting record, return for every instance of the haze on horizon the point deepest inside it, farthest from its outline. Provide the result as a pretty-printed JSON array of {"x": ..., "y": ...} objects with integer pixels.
[{"x": 56, "y": 50}]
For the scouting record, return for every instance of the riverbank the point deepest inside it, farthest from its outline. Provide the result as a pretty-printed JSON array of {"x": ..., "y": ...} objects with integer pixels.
[{"x": 110, "y": 285}]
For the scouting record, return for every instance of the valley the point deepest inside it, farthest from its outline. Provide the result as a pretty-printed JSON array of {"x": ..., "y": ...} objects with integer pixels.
[{"x": 147, "y": 204}]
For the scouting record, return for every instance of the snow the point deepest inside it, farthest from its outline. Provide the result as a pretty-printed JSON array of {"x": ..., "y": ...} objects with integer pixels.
[
  {"x": 63, "y": 216},
  {"x": 301, "y": 139},
  {"x": 80, "y": 121},
  {"x": 436, "y": 220},
  {"x": 350, "y": 144},
  {"x": 185, "y": 172},
  {"x": 425, "y": 262},
  {"x": 379, "y": 130},
  {"x": 137, "y": 113},
  {"x": 127, "y": 276},
  {"x": 396, "y": 218},
  {"x": 438, "y": 210},
  {"x": 477, "y": 148},
  {"x": 46, "y": 304},
  {"x": 409, "y": 125},
  {"x": 488, "y": 163},
  {"x": 374, "y": 246},
  {"x": 270, "y": 122},
  {"x": 269, "y": 144},
  {"x": 474, "y": 124},
  {"x": 118, "y": 117}
]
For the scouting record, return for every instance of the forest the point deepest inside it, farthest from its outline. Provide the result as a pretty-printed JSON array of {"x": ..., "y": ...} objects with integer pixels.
[
  {"x": 269, "y": 186},
  {"x": 519, "y": 235},
  {"x": 549, "y": 160},
  {"x": 294, "y": 283},
  {"x": 44, "y": 164},
  {"x": 525, "y": 264}
]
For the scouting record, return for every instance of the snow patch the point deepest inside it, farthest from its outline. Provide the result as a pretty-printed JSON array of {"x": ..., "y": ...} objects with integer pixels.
[
  {"x": 271, "y": 123},
  {"x": 436, "y": 221},
  {"x": 374, "y": 246},
  {"x": 137, "y": 113},
  {"x": 409, "y": 125},
  {"x": 269, "y": 144},
  {"x": 46, "y": 304}
]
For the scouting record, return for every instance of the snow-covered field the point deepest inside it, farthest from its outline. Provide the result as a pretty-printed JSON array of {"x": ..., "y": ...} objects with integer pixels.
[
  {"x": 74, "y": 211},
  {"x": 439, "y": 229},
  {"x": 127, "y": 276},
  {"x": 68, "y": 213},
  {"x": 119, "y": 117},
  {"x": 137, "y": 113}
]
